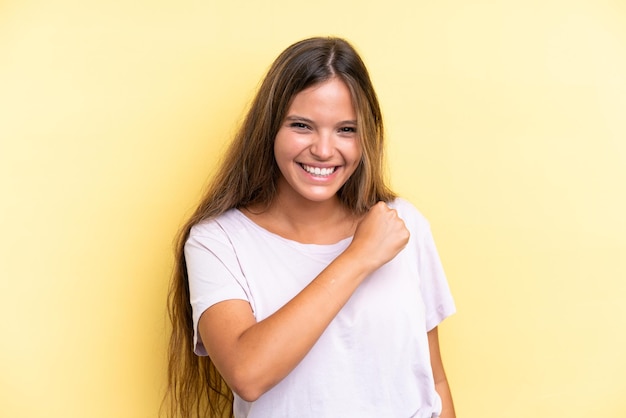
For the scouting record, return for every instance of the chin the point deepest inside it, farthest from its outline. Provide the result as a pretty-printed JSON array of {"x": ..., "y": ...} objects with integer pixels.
[{"x": 318, "y": 197}]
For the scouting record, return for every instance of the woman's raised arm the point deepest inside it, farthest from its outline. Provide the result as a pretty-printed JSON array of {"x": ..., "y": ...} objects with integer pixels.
[{"x": 253, "y": 357}]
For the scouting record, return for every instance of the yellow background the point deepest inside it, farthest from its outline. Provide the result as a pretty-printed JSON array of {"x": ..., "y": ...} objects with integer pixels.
[{"x": 507, "y": 128}]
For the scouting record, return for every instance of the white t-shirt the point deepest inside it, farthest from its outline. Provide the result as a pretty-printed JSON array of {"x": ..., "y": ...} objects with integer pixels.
[{"x": 373, "y": 359}]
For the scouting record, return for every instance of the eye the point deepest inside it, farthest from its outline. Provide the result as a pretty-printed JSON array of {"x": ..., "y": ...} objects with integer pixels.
[
  {"x": 299, "y": 125},
  {"x": 347, "y": 130}
]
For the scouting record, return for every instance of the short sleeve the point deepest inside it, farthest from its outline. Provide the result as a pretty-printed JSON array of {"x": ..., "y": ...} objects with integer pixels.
[
  {"x": 433, "y": 283},
  {"x": 213, "y": 272},
  {"x": 434, "y": 289}
]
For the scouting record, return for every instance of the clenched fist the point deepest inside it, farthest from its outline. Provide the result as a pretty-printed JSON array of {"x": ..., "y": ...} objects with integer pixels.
[{"x": 380, "y": 236}]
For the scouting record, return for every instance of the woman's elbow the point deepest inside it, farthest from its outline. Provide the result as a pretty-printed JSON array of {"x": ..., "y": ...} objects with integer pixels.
[
  {"x": 246, "y": 386},
  {"x": 247, "y": 393}
]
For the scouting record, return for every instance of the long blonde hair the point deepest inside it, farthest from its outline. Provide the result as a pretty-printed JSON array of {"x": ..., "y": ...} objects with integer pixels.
[{"x": 247, "y": 176}]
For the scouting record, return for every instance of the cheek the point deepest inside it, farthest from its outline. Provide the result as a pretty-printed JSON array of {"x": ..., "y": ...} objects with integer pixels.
[
  {"x": 279, "y": 147},
  {"x": 284, "y": 143},
  {"x": 283, "y": 152},
  {"x": 357, "y": 153},
  {"x": 357, "y": 158}
]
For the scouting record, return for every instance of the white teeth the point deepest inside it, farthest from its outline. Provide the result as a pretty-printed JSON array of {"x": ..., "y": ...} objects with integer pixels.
[{"x": 318, "y": 171}]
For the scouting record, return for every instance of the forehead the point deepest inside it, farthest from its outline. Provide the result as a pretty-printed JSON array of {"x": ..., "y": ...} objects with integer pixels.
[{"x": 330, "y": 95}]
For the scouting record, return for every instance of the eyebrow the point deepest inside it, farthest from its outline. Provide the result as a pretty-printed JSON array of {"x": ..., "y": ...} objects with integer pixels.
[
  {"x": 309, "y": 121},
  {"x": 299, "y": 118}
]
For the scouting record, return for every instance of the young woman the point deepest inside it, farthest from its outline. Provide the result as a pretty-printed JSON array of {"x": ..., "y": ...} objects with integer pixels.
[{"x": 304, "y": 287}]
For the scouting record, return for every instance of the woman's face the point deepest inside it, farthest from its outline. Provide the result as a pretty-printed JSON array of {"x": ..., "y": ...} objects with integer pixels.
[{"x": 317, "y": 148}]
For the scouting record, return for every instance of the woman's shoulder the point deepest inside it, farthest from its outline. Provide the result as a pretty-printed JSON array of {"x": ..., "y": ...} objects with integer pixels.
[
  {"x": 217, "y": 226},
  {"x": 411, "y": 215},
  {"x": 407, "y": 209}
]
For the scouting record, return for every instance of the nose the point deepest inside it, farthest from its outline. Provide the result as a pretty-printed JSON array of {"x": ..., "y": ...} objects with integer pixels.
[{"x": 323, "y": 146}]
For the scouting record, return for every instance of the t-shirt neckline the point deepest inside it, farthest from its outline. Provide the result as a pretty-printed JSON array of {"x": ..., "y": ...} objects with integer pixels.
[{"x": 328, "y": 247}]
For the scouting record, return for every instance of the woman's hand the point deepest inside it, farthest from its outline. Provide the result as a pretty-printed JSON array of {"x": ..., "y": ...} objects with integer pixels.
[{"x": 379, "y": 237}]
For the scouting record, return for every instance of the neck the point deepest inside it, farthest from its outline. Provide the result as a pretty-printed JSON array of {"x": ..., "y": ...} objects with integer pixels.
[
  {"x": 305, "y": 213},
  {"x": 306, "y": 221}
]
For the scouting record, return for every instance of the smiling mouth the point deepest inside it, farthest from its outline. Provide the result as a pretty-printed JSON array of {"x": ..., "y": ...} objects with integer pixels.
[{"x": 317, "y": 171}]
